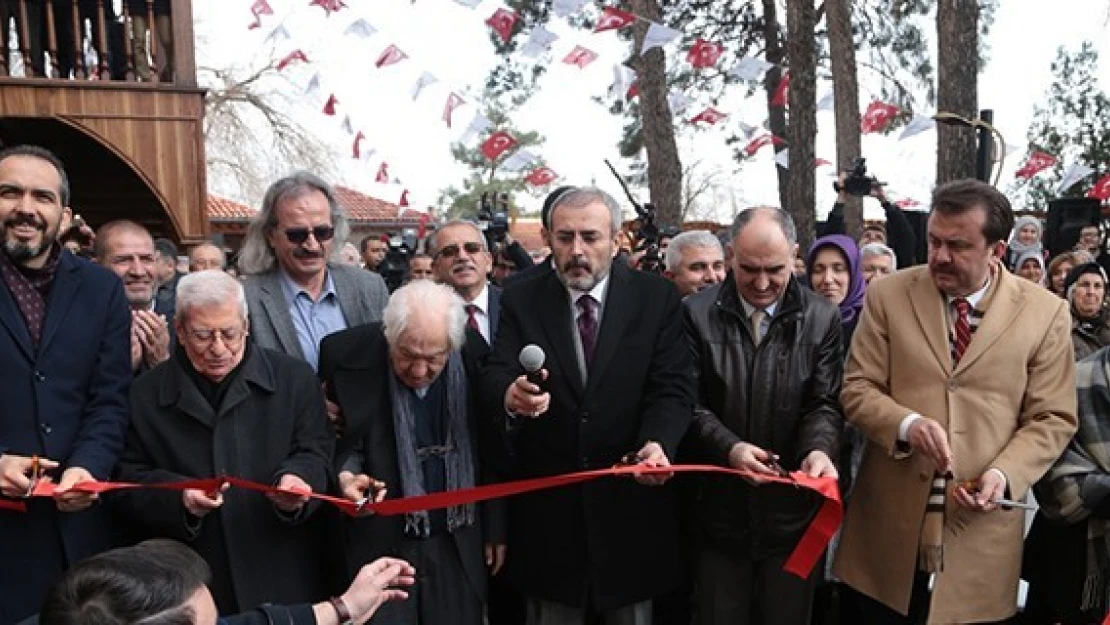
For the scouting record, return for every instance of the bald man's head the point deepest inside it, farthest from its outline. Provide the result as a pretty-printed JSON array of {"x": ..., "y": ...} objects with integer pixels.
[{"x": 763, "y": 248}]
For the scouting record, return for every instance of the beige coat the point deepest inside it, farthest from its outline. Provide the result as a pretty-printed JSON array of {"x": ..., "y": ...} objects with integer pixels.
[{"x": 1010, "y": 404}]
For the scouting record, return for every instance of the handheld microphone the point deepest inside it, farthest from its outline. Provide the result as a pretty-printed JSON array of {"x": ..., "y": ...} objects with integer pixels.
[{"x": 532, "y": 359}]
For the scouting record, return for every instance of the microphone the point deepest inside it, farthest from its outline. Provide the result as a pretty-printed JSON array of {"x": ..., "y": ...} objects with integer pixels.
[{"x": 532, "y": 359}]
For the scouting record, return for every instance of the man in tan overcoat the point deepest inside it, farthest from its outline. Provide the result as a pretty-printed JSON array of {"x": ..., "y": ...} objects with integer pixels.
[{"x": 961, "y": 376}]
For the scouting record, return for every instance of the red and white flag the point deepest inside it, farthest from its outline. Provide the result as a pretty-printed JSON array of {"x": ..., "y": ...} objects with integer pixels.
[
  {"x": 633, "y": 91},
  {"x": 389, "y": 56},
  {"x": 760, "y": 142},
  {"x": 710, "y": 116},
  {"x": 496, "y": 144},
  {"x": 877, "y": 117},
  {"x": 425, "y": 218},
  {"x": 1101, "y": 190},
  {"x": 820, "y": 162},
  {"x": 295, "y": 55},
  {"x": 404, "y": 203},
  {"x": 1037, "y": 162},
  {"x": 454, "y": 101},
  {"x": 329, "y": 6},
  {"x": 541, "y": 176},
  {"x": 261, "y": 7},
  {"x": 782, "y": 92},
  {"x": 613, "y": 19},
  {"x": 502, "y": 22},
  {"x": 907, "y": 203},
  {"x": 704, "y": 53},
  {"x": 329, "y": 106},
  {"x": 580, "y": 56},
  {"x": 383, "y": 173},
  {"x": 356, "y": 147}
]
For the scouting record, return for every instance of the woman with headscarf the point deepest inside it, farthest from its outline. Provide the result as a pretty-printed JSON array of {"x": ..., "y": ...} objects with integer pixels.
[
  {"x": 1085, "y": 288},
  {"x": 833, "y": 271},
  {"x": 1025, "y": 237},
  {"x": 1030, "y": 265}
]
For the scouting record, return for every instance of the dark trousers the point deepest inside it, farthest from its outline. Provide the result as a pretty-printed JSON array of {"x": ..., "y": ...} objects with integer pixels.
[
  {"x": 874, "y": 613},
  {"x": 733, "y": 590},
  {"x": 443, "y": 593}
]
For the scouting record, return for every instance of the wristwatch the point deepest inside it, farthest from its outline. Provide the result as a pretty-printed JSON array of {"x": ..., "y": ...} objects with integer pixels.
[{"x": 341, "y": 610}]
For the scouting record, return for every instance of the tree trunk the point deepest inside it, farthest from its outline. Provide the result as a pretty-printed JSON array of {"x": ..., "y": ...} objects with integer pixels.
[
  {"x": 776, "y": 115},
  {"x": 957, "y": 86},
  {"x": 842, "y": 53},
  {"x": 803, "y": 116},
  {"x": 664, "y": 166}
]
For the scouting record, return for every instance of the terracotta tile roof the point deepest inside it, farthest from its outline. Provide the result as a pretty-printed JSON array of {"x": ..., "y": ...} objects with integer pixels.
[
  {"x": 363, "y": 208},
  {"x": 527, "y": 232},
  {"x": 223, "y": 209}
]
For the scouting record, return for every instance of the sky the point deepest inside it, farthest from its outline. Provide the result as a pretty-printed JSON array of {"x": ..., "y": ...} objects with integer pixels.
[{"x": 451, "y": 41}]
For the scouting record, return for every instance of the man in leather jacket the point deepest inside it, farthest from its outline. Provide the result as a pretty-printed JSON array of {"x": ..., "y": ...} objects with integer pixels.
[{"x": 769, "y": 362}]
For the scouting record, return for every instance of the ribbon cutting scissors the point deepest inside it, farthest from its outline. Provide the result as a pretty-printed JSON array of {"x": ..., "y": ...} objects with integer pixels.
[{"x": 36, "y": 475}]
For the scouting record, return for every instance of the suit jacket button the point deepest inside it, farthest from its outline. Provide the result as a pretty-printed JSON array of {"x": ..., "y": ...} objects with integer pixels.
[
  {"x": 585, "y": 462},
  {"x": 584, "y": 416},
  {"x": 39, "y": 377},
  {"x": 46, "y": 428},
  {"x": 953, "y": 385}
]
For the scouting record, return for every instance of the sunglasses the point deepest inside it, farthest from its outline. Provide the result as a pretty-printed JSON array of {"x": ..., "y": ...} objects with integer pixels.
[
  {"x": 298, "y": 236},
  {"x": 451, "y": 251}
]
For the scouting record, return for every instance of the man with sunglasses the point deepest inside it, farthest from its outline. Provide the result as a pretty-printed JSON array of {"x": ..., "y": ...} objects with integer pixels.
[
  {"x": 460, "y": 260},
  {"x": 296, "y": 296}
]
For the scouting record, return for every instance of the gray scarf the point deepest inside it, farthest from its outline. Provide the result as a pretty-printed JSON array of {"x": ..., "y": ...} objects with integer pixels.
[{"x": 456, "y": 451}]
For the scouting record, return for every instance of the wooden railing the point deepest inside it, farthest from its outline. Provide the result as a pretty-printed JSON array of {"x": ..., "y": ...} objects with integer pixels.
[{"x": 55, "y": 37}]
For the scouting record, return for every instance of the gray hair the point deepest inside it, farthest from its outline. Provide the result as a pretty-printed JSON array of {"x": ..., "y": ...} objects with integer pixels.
[
  {"x": 580, "y": 197},
  {"x": 209, "y": 244},
  {"x": 256, "y": 256},
  {"x": 431, "y": 243},
  {"x": 781, "y": 217},
  {"x": 209, "y": 288},
  {"x": 427, "y": 296},
  {"x": 685, "y": 240},
  {"x": 879, "y": 249}
]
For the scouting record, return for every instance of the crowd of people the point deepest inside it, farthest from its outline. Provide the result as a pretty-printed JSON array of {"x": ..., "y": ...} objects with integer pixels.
[{"x": 937, "y": 394}]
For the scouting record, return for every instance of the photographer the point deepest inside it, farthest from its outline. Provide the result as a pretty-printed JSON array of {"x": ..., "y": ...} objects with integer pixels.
[{"x": 899, "y": 233}]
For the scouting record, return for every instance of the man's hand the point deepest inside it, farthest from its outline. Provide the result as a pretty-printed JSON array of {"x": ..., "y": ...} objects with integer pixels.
[
  {"x": 291, "y": 502},
  {"x": 70, "y": 500},
  {"x": 992, "y": 487},
  {"x": 652, "y": 455},
  {"x": 375, "y": 584},
  {"x": 361, "y": 486},
  {"x": 199, "y": 503},
  {"x": 748, "y": 457},
  {"x": 526, "y": 399},
  {"x": 928, "y": 437},
  {"x": 335, "y": 415},
  {"x": 817, "y": 464},
  {"x": 495, "y": 557},
  {"x": 136, "y": 346},
  {"x": 154, "y": 335},
  {"x": 15, "y": 473},
  {"x": 877, "y": 191}
]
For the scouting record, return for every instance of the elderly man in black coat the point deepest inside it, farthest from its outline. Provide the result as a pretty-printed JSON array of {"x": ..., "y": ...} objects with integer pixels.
[
  {"x": 404, "y": 386},
  {"x": 222, "y": 406}
]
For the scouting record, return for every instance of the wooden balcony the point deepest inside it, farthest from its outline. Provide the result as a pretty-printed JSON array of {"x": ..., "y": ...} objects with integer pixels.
[{"x": 133, "y": 148}]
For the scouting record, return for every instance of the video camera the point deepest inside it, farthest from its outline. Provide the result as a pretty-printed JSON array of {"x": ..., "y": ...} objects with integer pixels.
[
  {"x": 647, "y": 232},
  {"x": 493, "y": 218},
  {"x": 394, "y": 267},
  {"x": 858, "y": 183}
]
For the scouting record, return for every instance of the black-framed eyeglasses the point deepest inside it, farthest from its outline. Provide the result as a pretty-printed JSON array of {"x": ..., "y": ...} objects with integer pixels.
[
  {"x": 451, "y": 251},
  {"x": 298, "y": 236}
]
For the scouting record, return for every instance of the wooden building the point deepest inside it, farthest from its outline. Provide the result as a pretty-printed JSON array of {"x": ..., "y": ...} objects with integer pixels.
[{"x": 131, "y": 149}]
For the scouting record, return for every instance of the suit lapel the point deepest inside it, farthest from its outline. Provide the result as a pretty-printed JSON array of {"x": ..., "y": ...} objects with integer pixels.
[
  {"x": 179, "y": 392},
  {"x": 11, "y": 318},
  {"x": 557, "y": 325},
  {"x": 62, "y": 293},
  {"x": 494, "y": 311},
  {"x": 1003, "y": 303},
  {"x": 618, "y": 312},
  {"x": 277, "y": 311},
  {"x": 928, "y": 307},
  {"x": 347, "y": 293}
]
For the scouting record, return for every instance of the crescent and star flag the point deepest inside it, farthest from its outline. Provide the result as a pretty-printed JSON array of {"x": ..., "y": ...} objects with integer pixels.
[
  {"x": 613, "y": 19},
  {"x": 502, "y": 22},
  {"x": 761, "y": 141},
  {"x": 877, "y": 117},
  {"x": 329, "y": 6},
  {"x": 389, "y": 56},
  {"x": 1101, "y": 190},
  {"x": 496, "y": 144},
  {"x": 710, "y": 116},
  {"x": 295, "y": 55},
  {"x": 1038, "y": 161},
  {"x": 540, "y": 176},
  {"x": 454, "y": 101},
  {"x": 580, "y": 56},
  {"x": 704, "y": 53}
]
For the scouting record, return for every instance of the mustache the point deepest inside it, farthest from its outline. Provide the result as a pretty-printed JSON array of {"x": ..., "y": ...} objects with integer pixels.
[
  {"x": 300, "y": 252},
  {"x": 463, "y": 266},
  {"x": 577, "y": 263},
  {"x": 23, "y": 219}
]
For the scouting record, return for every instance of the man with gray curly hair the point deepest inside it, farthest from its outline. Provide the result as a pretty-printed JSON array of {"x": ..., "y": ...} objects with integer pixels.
[
  {"x": 405, "y": 387},
  {"x": 296, "y": 294}
]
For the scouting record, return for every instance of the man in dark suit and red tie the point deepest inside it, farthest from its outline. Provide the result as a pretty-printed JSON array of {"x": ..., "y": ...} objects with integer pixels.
[{"x": 618, "y": 386}]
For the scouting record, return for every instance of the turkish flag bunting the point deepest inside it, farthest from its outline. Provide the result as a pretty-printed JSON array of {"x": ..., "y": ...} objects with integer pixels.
[
  {"x": 329, "y": 106},
  {"x": 633, "y": 91},
  {"x": 710, "y": 116},
  {"x": 328, "y": 5},
  {"x": 257, "y": 23},
  {"x": 761, "y": 141},
  {"x": 1101, "y": 190},
  {"x": 404, "y": 199},
  {"x": 907, "y": 203},
  {"x": 454, "y": 101},
  {"x": 877, "y": 117},
  {"x": 612, "y": 19},
  {"x": 540, "y": 176},
  {"x": 1037, "y": 162},
  {"x": 782, "y": 92},
  {"x": 261, "y": 7},
  {"x": 425, "y": 218},
  {"x": 820, "y": 162},
  {"x": 356, "y": 148},
  {"x": 497, "y": 143},
  {"x": 704, "y": 53},
  {"x": 580, "y": 56},
  {"x": 389, "y": 56},
  {"x": 502, "y": 22},
  {"x": 383, "y": 173},
  {"x": 295, "y": 55}
]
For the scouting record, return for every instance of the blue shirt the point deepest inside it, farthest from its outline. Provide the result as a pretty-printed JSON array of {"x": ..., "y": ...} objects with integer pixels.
[{"x": 312, "y": 320}]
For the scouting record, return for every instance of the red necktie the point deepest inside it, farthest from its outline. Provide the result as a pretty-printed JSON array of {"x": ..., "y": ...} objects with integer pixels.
[
  {"x": 962, "y": 328},
  {"x": 472, "y": 318}
]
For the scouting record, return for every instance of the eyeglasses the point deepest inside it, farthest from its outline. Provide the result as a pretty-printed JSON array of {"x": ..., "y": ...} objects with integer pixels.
[
  {"x": 206, "y": 337},
  {"x": 451, "y": 251},
  {"x": 298, "y": 236}
]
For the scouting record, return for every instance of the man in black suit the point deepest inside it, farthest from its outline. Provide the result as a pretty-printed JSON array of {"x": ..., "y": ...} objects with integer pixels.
[
  {"x": 618, "y": 384},
  {"x": 404, "y": 387},
  {"x": 461, "y": 261}
]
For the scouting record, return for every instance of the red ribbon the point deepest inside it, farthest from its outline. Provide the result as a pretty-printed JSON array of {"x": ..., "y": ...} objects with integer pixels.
[{"x": 801, "y": 562}]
